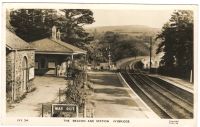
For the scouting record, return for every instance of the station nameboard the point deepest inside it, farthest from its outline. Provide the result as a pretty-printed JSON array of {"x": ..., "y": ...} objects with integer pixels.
[
  {"x": 65, "y": 108},
  {"x": 31, "y": 73}
]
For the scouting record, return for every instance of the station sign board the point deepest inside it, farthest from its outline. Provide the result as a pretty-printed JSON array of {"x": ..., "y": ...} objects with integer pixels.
[
  {"x": 65, "y": 109},
  {"x": 31, "y": 73}
]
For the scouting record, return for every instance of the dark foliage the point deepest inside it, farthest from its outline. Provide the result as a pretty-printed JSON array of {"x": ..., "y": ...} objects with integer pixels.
[
  {"x": 119, "y": 45},
  {"x": 34, "y": 24},
  {"x": 139, "y": 65},
  {"x": 177, "y": 44}
]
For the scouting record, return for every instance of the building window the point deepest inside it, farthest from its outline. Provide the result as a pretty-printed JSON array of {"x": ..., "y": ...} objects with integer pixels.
[
  {"x": 36, "y": 65},
  {"x": 51, "y": 64}
]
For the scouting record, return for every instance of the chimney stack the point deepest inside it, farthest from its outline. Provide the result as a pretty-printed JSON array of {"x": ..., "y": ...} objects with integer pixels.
[
  {"x": 55, "y": 34},
  {"x": 58, "y": 35}
]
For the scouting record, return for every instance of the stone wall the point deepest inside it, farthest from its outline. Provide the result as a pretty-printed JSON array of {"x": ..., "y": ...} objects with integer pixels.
[
  {"x": 9, "y": 74},
  {"x": 14, "y": 73}
]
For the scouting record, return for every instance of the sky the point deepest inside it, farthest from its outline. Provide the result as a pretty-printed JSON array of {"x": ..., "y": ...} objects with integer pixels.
[{"x": 151, "y": 18}]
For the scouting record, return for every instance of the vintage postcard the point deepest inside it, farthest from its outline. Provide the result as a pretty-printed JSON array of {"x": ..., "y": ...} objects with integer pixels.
[{"x": 99, "y": 65}]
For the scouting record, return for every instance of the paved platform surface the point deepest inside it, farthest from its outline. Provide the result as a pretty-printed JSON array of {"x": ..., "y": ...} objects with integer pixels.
[
  {"x": 46, "y": 91},
  {"x": 177, "y": 82},
  {"x": 115, "y": 100}
]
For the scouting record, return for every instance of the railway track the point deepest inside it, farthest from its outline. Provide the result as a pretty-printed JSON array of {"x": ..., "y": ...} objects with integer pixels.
[
  {"x": 166, "y": 103},
  {"x": 186, "y": 95}
]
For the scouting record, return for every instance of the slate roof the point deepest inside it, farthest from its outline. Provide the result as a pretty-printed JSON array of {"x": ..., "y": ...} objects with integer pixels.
[
  {"x": 15, "y": 42},
  {"x": 50, "y": 46}
]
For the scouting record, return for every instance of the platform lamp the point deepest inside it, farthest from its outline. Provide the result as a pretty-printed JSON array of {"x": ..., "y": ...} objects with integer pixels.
[
  {"x": 109, "y": 56},
  {"x": 150, "y": 48}
]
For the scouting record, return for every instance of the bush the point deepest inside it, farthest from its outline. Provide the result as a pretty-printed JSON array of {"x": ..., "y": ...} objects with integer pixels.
[{"x": 139, "y": 65}]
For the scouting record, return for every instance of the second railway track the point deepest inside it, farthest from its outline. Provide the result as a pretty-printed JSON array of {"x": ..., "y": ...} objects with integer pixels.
[{"x": 162, "y": 101}]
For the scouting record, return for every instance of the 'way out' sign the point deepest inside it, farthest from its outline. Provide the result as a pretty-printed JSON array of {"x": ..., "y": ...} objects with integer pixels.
[{"x": 64, "y": 110}]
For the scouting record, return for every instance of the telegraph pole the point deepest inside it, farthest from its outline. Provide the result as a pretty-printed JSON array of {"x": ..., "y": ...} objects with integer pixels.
[
  {"x": 85, "y": 84},
  {"x": 109, "y": 56},
  {"x": 150, "y": 42}
]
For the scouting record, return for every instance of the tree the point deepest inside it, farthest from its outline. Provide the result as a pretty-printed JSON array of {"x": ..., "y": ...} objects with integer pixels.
[
  {"x": 72, "y": 25},
  {"x": 95, "y": 54},
  {"x": 121, "y": 46},
  {"x": 33, "y": 24},
  {"x": 111, "y": 37},
  {"x": 177, "y": 41},
  {"x": 167, "y": 45}
]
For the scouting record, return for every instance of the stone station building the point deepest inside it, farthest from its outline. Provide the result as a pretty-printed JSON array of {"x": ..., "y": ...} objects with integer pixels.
[
  {"x": 53, "y": 56},
  {"x": 48, "y": 56},
  {"x": 20, "y": 58}
]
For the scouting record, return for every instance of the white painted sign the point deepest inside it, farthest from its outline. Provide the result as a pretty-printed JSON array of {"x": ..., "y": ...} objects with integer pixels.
[
  {"x": 64, "y": 109},
  {"x": 31, "y": 73}
]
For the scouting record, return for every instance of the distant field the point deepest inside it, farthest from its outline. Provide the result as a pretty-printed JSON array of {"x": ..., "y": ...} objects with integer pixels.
[{"x": 129, "y": 29}]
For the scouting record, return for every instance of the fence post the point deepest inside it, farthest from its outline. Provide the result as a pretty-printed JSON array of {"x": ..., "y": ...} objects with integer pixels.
[
  {"x": 84, "y": 109},
  {"x": 59, "y": 95},
  {"x": 92, "y": 112},
  {"x": 191, "y": 76},
  {"x": 42, "y": 110},
  {"x": 51, "y": 111}
]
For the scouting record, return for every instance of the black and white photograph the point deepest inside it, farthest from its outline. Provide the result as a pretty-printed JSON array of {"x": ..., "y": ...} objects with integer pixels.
[{"x": 100, "y": 61}]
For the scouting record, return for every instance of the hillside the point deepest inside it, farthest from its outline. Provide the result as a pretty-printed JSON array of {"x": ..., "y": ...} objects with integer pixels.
[
  {"x": 126, "y": 29},
  {"x": 128, "y": 41}
]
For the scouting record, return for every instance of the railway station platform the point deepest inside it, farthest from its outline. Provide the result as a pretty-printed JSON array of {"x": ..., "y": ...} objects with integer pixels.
[
  {"x": 177, "y": 82},
  {"x": 113, "y": 98}
]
